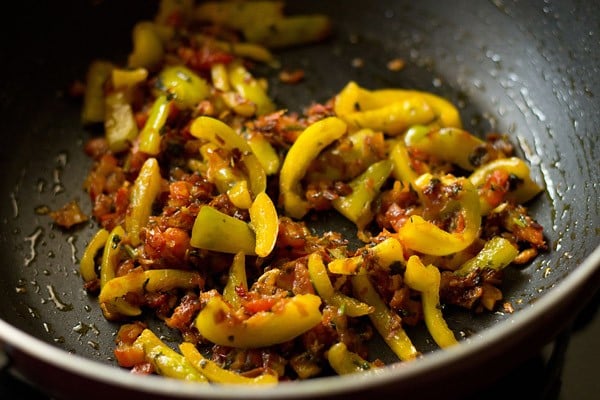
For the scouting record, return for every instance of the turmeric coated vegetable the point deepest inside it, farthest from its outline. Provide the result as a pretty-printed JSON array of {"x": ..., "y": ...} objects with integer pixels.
[
  {"x": 148, "y": 45},
  {"x": 150, "y": 136},
  {"x": 112, "y": 295},
  {"x": 217, "y": 231},
  {"x": 320, "y": 280},
  {"x": 219, "y": 323},
  {"x": 214, "y": 373},
  {"x": 383, "y": 254},
  {"x": 496, "y": 254},
  {"x": 357, "y": 205},
  {"x": 165, "y": 360},
  {"x": 93, "y": 99},
  {"x": 265, "y": 223},
  {"x": 306, "y": 148},
  {"x": 111, "y": 254},
  {"x": 249, "y": 88},
  {"x": 344, "y": 361},
  {"x": 119, "y": 123},
  {"x": 183, "y": 85},
  {"x": 236, "y": 279},
  {"x": 424, "y": 236},
  {"x": 219, "y": 133},
  {"x": 145, "y": 190},
  {"x": 87, "y": 265},
  {"x": 387, "y": 323},
  {"x": 426, "y": 279}
]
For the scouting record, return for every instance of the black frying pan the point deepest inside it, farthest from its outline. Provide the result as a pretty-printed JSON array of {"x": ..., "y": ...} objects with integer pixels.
[{"x": 531, "y": 69}]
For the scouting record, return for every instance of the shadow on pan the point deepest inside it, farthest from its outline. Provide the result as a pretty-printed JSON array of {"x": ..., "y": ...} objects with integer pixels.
[{"x": 529, "y": 70}]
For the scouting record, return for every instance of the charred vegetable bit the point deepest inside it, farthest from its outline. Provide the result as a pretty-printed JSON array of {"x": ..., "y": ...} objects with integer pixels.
[{"x": 205, "y": 191}]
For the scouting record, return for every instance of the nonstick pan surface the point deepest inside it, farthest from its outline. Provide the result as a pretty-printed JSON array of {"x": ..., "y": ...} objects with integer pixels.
[{"x": 530, "y": 69}]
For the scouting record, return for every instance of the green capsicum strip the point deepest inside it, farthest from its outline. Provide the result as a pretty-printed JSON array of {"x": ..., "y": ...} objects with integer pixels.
[
  {"x": 344, "y": 361},
  {"x": 426, "y": 279},
  {"x": 87, "y": 265},
  {"x": 357, "y": 205},
  {"x": 146, "y": 188},
  {"x": 217, "y": 231},
  {"x": 111, "y": 254},
  {"x": 150, "y": 136},
  {"x": 497, "y": 253},
  {"x": 306, "y": 148}
]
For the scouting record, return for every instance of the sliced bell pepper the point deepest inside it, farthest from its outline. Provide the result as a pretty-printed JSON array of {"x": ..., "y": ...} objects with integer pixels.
[
  {"x": 111, "y": 254},
  {"x": 148, "y": 45},
  {"x": 249, "y": 88},
  {"x": 525, "y": 189},
  {"x": 93, "y": 98},
  {"x": 402, "y": 167},
  {"x": 426, "y": 279},
  {"x": 497, "y": 253},
  {"x": 120, "y": 127},
  {"x": 306, "y": 148},
  {"x": 236, "y": 278},
  {"x": 150, "y": 136},
  {"x": 146, "y": 188},
  {"x": 383, "y": 254},
  {"x": 128, "y": 78},
  {"x": 183, "y": 85},
  {"x": 166, "y": 361},
  {"x": 265, "y": 223},
  {"x": 357, "y": 205},
  {"x": 344, "y": 361},
  {"x": 111, "y": 298},
  {"x": 217, "y": 231},
  {"x": 387, "y": 323},
  {"x": 87, "y": 266},
  {"x": 219, "y": 323},
  {"x": 424, "y": 236},
  {"x": 214, "y": 373}
]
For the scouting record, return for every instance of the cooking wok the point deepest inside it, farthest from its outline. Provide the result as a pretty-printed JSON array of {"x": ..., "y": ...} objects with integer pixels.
[{"x": 531, "y": 69}]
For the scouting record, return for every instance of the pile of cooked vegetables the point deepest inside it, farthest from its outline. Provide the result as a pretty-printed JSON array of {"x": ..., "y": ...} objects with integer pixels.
[{"x": 202, "y": 189}]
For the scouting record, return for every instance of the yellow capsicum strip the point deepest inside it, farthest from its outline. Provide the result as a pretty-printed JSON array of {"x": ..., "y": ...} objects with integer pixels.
[
  {"x": 183, "y": 85},
  {"x": 497, "y": 253},
  {"x": 306, "y": 148},
  {"x": 344, "y": 361},
  {"x": 148, "y": 45},
  {"x": 357, "y": 205},
  {"x": 402, "y": 169},
  {"x": 214, "y": 373},
  {"x": 93, "y": 98},
  {"x": 111, "y": 254},
  {"x": 218, "y": 322},
  {"x": 448, "y": 144},
  {"x": 354, "y": 99},
  {"x": 265, "y": 223},
  {"x": 217, "y": 231},
  {"x": 166, "y": 361},
  {"x": 120, "y": 127},
  {"x": 219, "y": 77},
  {"x": 236, "y": 278},
  {"x": 426, "y": 279},
  {"x": 421, "y": 235},
  {"x": 387, "y": 323},
  {"x": 150, "y": 136},
  {"x": 320, "y": 280},
  {"x": 146, "y": 188},
  {"x": 252, "y": 51},
  {"x": 112, "y": 294},
  {"x": 525, "y": 190},
  {"x": 249, "y": 88},
  {"x": 128, "y": 78},
  {"x": 87, "y": 266},
  {"x": 383, "y": 254},
  {"x": 265, "y": 152}
]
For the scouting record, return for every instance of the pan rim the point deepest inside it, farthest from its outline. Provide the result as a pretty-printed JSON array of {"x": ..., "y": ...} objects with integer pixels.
[{"x": 497, "y": 335}]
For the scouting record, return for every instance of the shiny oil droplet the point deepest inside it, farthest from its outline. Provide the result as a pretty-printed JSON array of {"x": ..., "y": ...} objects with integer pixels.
[
  {"x": 32, "y": 239},
  {"x": 61, "y": 306}
]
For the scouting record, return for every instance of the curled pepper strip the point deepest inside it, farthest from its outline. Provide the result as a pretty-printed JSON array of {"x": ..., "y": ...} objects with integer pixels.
[
  {"x": 143, "y": 193},
  {"x": 497, "y": 253},
  {"x": 215, "y": 374},
  {"x": 87, "y": 265},
  {"x": 166, "y": 361},
  {"x": 217, "y": 231},
  {"x": 424, "y": 236},
  {"x": 383, "y": 254},
  {"x": 113, "y": 303},
  {"x": 236, "y": 279},
  {"x": 218, "y": 322},
  {"x": 402, "y": 169},
  {"x": 448, "y": 144},
  {"x": 249, "y": 88},
  {"x": 357, "y": 205},
  {"x": 93, "y": 99},
  {"x": 426, "y": 279},
  {"x": 323, "y": 286},
  {"x": 110, "y": 255},
  {"x": 387, "y": 323},
  {"x": 344, "y": 361},
  {"x": 265, "y": 223},
  {"x": 525, "y": 189},
  {"x": 150, "y": 136},
  {"x": 183, "y": 85},
  {"x": 306, "y": 148}
]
